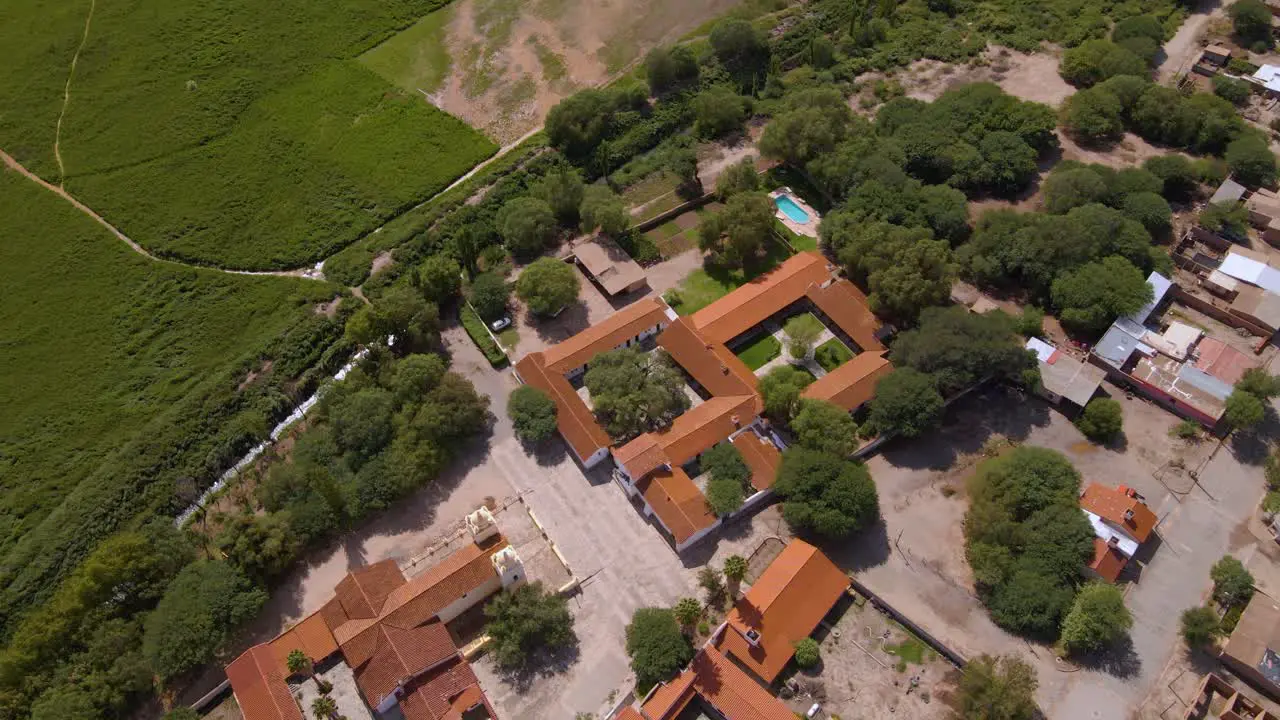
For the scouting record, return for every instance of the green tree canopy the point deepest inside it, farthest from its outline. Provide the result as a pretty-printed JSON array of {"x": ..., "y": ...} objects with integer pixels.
[
  {"x": 826, "y": 494},
  {"x": 802, "y": 332},
  {"x": 670, "y": 68},
  {"x": 526, "y": 225},
  {"x": 1200, "y": 625},
  {"x": 657, "y": 648},
  {"x": 808, "y": 653},
  {"x": 1251, "y": 160},
  {"x": 633, "y": 393},
  {"x": 488, "y": 294},
  {"x": 547, "y": 286},
  {"x": 1067, "y": 189},
  {"x": 1097, "y": 620},
  {"x": 1251, "y": 20},
  {"x": 826, "y": 427},
  {"x": 1090, "y": 297},
  {"x": 1234, "y": 91},
  {"x": 604, "y": 209},
  {"x": 261, "y": 546},
  {"x": 1093, "y": 61},
  {"x": 1093, "y": 115},
  {"x": 1151, "y": 210},
  {"x": 562, "y": 190},
  {"x": 1259, "y": 382},
  {"x": 739, "y": 177},
  {"x": 1001, "y": 688},
  {"x": 1177, "y": 174},
  {"x": 959, "y": 348},
  {"x": 1101, "y": 420},
  {"x": 737, "y": 234},
  {"x": 906, "y": 403},
  {"x": 400, "y": 311},
  {"x": 532, "y": 413},
  {"x": 781, "y": 388},
  {"x": 203, "y": 605},
  {"x": 812, "y": 124},
  {"x": 439, "y": 278},
  {"x": 739, "y": 45},
  {"x": 729, "y": 478},
  {"x": 524, "y": 622},
  {"x": 1232, "y": 583},
  {"x": 718, "y": 111},
  {"x": 1230, "y": 218}
]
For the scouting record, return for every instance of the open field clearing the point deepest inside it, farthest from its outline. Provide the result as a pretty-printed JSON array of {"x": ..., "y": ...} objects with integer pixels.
[
  {"x": 269, "y": 155},
  {"x": 508, "y": 62},
  {"x": 119, "y": 373}
]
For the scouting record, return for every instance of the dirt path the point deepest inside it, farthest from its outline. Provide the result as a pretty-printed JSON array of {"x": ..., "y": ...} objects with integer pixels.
[
  {"x": 66, "y": 95},
  {"x": 1181, "y": 51}
]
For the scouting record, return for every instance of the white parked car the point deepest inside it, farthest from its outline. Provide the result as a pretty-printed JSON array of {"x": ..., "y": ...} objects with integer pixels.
[{"x": 500, "y": 324}]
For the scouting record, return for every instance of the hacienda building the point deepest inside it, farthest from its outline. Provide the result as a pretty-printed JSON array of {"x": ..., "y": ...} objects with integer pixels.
[{"x": 655, "y": 467}]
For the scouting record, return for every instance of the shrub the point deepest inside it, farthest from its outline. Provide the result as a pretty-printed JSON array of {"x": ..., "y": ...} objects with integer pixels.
[
  {"x": 488, "y": 294},
  {"x": 475, "y": 328},
  {"x": 533, "y": 413},
  {"x": 825, "y": 494},
  {"x": 1200, "y": 625},
  {"x": 1186, "y": 430},
  {"x": 1097, "y": 620},
  {"x": 1232, "y": 583},
  {"x": 808, "y": 654},
  {"x": 1235, "y": 91},
  {"x": 1101, "y": 420},
  {"x": 657, "y": 648},
  {"x": 1031, "y": 322},
  {"x": 1001, "y": 688},
  {"x": 1251, "y": 160}
]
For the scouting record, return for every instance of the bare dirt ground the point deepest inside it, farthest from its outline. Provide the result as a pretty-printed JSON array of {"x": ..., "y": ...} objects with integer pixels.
[
  {"x": 513, "y": 61},
  {"x": 1184, "y": 48},
  {"x": 1028, "y": 76}
]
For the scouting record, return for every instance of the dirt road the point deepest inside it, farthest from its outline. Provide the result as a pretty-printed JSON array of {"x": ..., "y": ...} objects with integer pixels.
[{"x": 1181, "y": 51}]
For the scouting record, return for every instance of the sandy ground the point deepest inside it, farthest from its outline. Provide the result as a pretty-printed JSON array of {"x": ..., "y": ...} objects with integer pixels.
[
  {"x": 1184, "y": 48},
  {"x": 512, "y": 61},
  {"x": 1028, "y": 76}
]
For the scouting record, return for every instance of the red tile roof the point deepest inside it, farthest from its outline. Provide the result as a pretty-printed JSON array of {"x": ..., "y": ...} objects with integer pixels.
[
  {"x": 677, "y": 502},
  {"x": 438, "y": 694},
  {"x": 361, "y": 593},
  {"x": 754, "y": 302},
  {"x": 715, "y": 680},
  {"x": 605, "y": 335},
  {"x": 690, "y": 434},
  {"x": 400, "y": 654},
  {"x": 312, "y": 636},
  {"x": 785, "y": 605},
  {"x": 762, "y": 456},
  {"x": 1107, "y": 562},
  {"x": 847, "y": 307},
  {"x": 853, "y": 383},
  {"x": 260, "y": 688},
  {"x": 710, "y": 364},
  {"x": 574, "y": 420},
  {"x": 1120, "y": 508},
  {"x": 628, "y": 713}
]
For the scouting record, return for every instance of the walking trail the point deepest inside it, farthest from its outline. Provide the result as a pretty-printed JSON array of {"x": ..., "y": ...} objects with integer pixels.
[{"x": 66, "y": 94}]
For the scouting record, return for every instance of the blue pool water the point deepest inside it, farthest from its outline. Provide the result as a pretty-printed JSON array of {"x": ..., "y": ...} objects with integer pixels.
[{"x": 791, "y": 209}]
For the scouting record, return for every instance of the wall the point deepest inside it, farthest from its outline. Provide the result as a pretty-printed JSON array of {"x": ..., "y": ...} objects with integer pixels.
[
  {"x": 469, "y": 600},
  {"x": 676, "y": 211},
  {"x": 1225, "y": 315}
]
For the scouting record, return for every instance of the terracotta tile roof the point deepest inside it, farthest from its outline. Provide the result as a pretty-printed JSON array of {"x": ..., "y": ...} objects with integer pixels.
[
  {"x": 715, "y": 680},
  {"x": 436, "y": 695},
  {"x": 614, "y": 330},
  {"x": 1107, "y": 561},
  {"x": 400, "y": 654},
  {"x": 711, "y": 364},
  {"x": 761, "y": 455},
  {"x": 628, "y": 713},
  {"x": 312, "y": 636},
  {"x": 574, "y": 420},
  {"x": 853, "y": 383},
  {"x": 1120, "y": 508},
  {"x": 641, "y": 456},
  {"x": 678, "y": 503},
  {"x": 361, "y": 593},
  {"x": 788, "y": 601},
  {"x": 260, "y": 689},
  {"x": 751, "y": 304},
  {"x": 689, "y": 435},
  {"x": 847, "y": 307}
]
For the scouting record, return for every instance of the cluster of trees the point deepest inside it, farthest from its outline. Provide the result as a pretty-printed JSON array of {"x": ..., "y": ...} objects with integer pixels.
[
  {"x": 1232, "y": 590},
  {"x": 997, "y": 688},
  {"x": 1246, "y": 406},
  {"x": 730, "y": 478},
  {"x": 634, "y": 392},
  {"x": 548, "y": 286},
  {"x": 826, "y": 494},
  {"x": 1132, "y": 49},
  {"x": 737, "y": 235},
  {"x": 528, "y": 224},
  {"x": 1027, "y": 539}
]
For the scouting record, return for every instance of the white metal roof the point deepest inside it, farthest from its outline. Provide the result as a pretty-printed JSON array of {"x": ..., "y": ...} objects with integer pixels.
[
  {"x": 1226, "y": 282},
  {"x": 1159, "y": 288},
  {"x": 1251, "y": 271},
  {"x": 1106, "y": 531},
  {"x": 1042, "y": 349},
  {"x": 1269, "y": 75}
]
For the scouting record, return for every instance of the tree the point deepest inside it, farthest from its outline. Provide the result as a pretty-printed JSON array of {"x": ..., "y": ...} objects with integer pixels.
[
  {"x": 710, "y": 579},
  {"x": 1101, "y": 420},
  {"x": 547, "y": 286},
  {"x": 1228, "y": 218},
  {"x": 808, "y": 654},
  {"x": 1090, "y": 297},
  {"x": 1200, "y": 625},
  {"x": 181, "y": 713},
  {"x": 736, "y": 235},
  {"x": 1251, "y": 160},
  {"x": 1243, "y": 410},
  {"x": 1234, "y": 91},
  {"x": 1093, "y": 61},
  {"x": 739, "y": 177},
  {"x": 360, "y": 419},
  {"x": 298, "y": 663},
  {"x": 802, "y": 332},
  {"x": 825, "y": 494},
  {"x": 906, "y": 403},
  {"x": 727, "y": 488},
  {"x": 562, "y": 190},
  {"x": 324, "y": 707},
  {"x": 826, "y": 427},
  {"x": 604, "y": 209},
  {"x": 781, "y": 388},
  {"x": 1151, "y": 210},
  {"x": 735, "y": 569},
  {"x": 523, "y": 622},
  {"x": 402, "y": 312},
  {"x": 1097, "y": 620},
  {"x": 958, "y": 348},
  {"x": 919, "y": 275},
  {"x": 815, "y": 121},
  {"x": 1093, "y": 115},
  {"x": 202, "y": 606},
  {"x": 668, "y": 69},
  {"x": 488, "y": 294},
  {"x": 683, "y": 163},
  {"x": 632, "y": 393},
  {"x": 532, "y": 413},
  {"x": 1232, "y": 583},
  {"x": 439, "y": 278},
  {"x": 526, "y": 225},
  {"x": 1067, "y": 189},
  {"x": 1144, "y": 26},
  {"x": 1001, "y": 688},
  {"x": 1259, "y": 382},
  {"x": 724, "y": 497},
  {"x": 580, "y": 122},
  {"x": 261, "y": 546},
  {"x": 718, "y": 111},
  {"x": 1177, "y": 174},
  {"x": 687, "y": 612},
  {"x": 738, "y": 45},
  {"x": 1251, "y": 20},
  {"x": 657, "y": 648}
]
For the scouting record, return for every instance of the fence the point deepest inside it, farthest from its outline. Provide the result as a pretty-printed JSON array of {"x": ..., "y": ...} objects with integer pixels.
[{"x": 878, "y": 602}]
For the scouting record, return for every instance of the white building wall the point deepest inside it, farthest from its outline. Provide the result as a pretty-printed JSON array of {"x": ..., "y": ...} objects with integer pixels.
[{"x": 469, "y": 600}]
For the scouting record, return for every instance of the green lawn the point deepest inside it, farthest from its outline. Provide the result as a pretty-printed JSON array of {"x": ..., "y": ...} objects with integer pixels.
[
  {"x": 124, "y": 379},
  {"x": 832, "y": 354},
  {"x": 800, "y": 242},
  {"x": 759, "y": 351},
  {"x": 703, "y": 287},
  {"x": 228, "y": 132},
  {"x": 417, "y": 58}
]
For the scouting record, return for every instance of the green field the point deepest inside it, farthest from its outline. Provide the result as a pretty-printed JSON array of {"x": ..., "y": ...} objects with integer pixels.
[
  {"x": 417, "y": 58},
  {"x": 120, "y": 378},
  {"x": 759, "y": 351},
  {"x": 832, "y": 354},
  {"x": 228, "y": 132}
]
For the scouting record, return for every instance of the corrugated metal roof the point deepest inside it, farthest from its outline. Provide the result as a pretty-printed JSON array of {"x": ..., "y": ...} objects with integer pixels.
[
  {"x": 1204, "y": 381},
  {"x": 1251, "y": 271},
  {"x": 1228, "y": 191},
  {"x": 1160, "y": 286},
  {"x": 1116, "y": 346}
]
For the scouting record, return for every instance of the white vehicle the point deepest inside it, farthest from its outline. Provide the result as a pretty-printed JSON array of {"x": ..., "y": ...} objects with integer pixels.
[{"x": 500, "y": 324}]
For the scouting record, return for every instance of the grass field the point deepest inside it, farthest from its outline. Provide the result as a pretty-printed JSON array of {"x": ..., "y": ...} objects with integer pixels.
[
  {"x": 118, "y": 372},
  {"x": 417, "y": 58},
  {"x": 832, "y": 354},
  {"x": 759, "y": 351},
  {"x": 228, "y": 132},
  {"x": 710, "y": 283}
]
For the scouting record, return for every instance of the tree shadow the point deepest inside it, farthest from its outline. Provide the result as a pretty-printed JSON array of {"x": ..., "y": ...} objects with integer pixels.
[
  {"x": 968, "y": 424},
  {"x": 571, "y": 321},
  {"x": 866, "y": 549},
  {"x": 1120, "y": 660},
  {"x": 542, "y": 664}
]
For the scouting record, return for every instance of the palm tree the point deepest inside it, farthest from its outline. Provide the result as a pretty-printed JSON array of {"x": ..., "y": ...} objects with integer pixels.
[
  {"x": 324, "y": 707},
  {"x": 687, "y": 612},
  {"x": 299, "y": 664},
  {"x": 735, "y": 569}
]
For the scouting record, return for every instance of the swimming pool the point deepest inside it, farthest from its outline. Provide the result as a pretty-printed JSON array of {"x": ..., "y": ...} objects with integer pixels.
[{"x": 791, "y": 209}]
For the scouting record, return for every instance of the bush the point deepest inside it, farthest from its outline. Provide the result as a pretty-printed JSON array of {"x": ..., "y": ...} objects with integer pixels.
[
  {"x": 202, "y": 606},
  {"x": 1228, "y": 218},
  {"x": 475, "y": 328},
  {"x": 1031, "y": 322},
  {"x": 533, "y": 413},
  {"x": 1093, "y": 61},
  {"x": 1097, "y": 620},
  {"x": 826, "y": 494},
  {"x": 1232, "y": 583},
  {"x": 1186, "y": 430},
  {"x": 488, "y": 294},
  {"x": 1243, "y": 410},
  {"x": 547, "y": 286},
  {"x": 719, "y": 111},
  {"x": 1102, "y": 419},
  {"x": 657, "y": 648},
  {"x": 997, "y": 689},
  {"x": 1251, "y": 160},
  {"x": 521, "y": 623},
  {"x": 1177, "y": 174},
  {"x": 1093, "y": 115},
  {"x": 1235, "y": 91},
  {"x": 1251, "y": 20},
  {"x": 1200, "y": 625},
  {"x": 727, "y": 488},
  {"x": 808, "y": 654}
]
